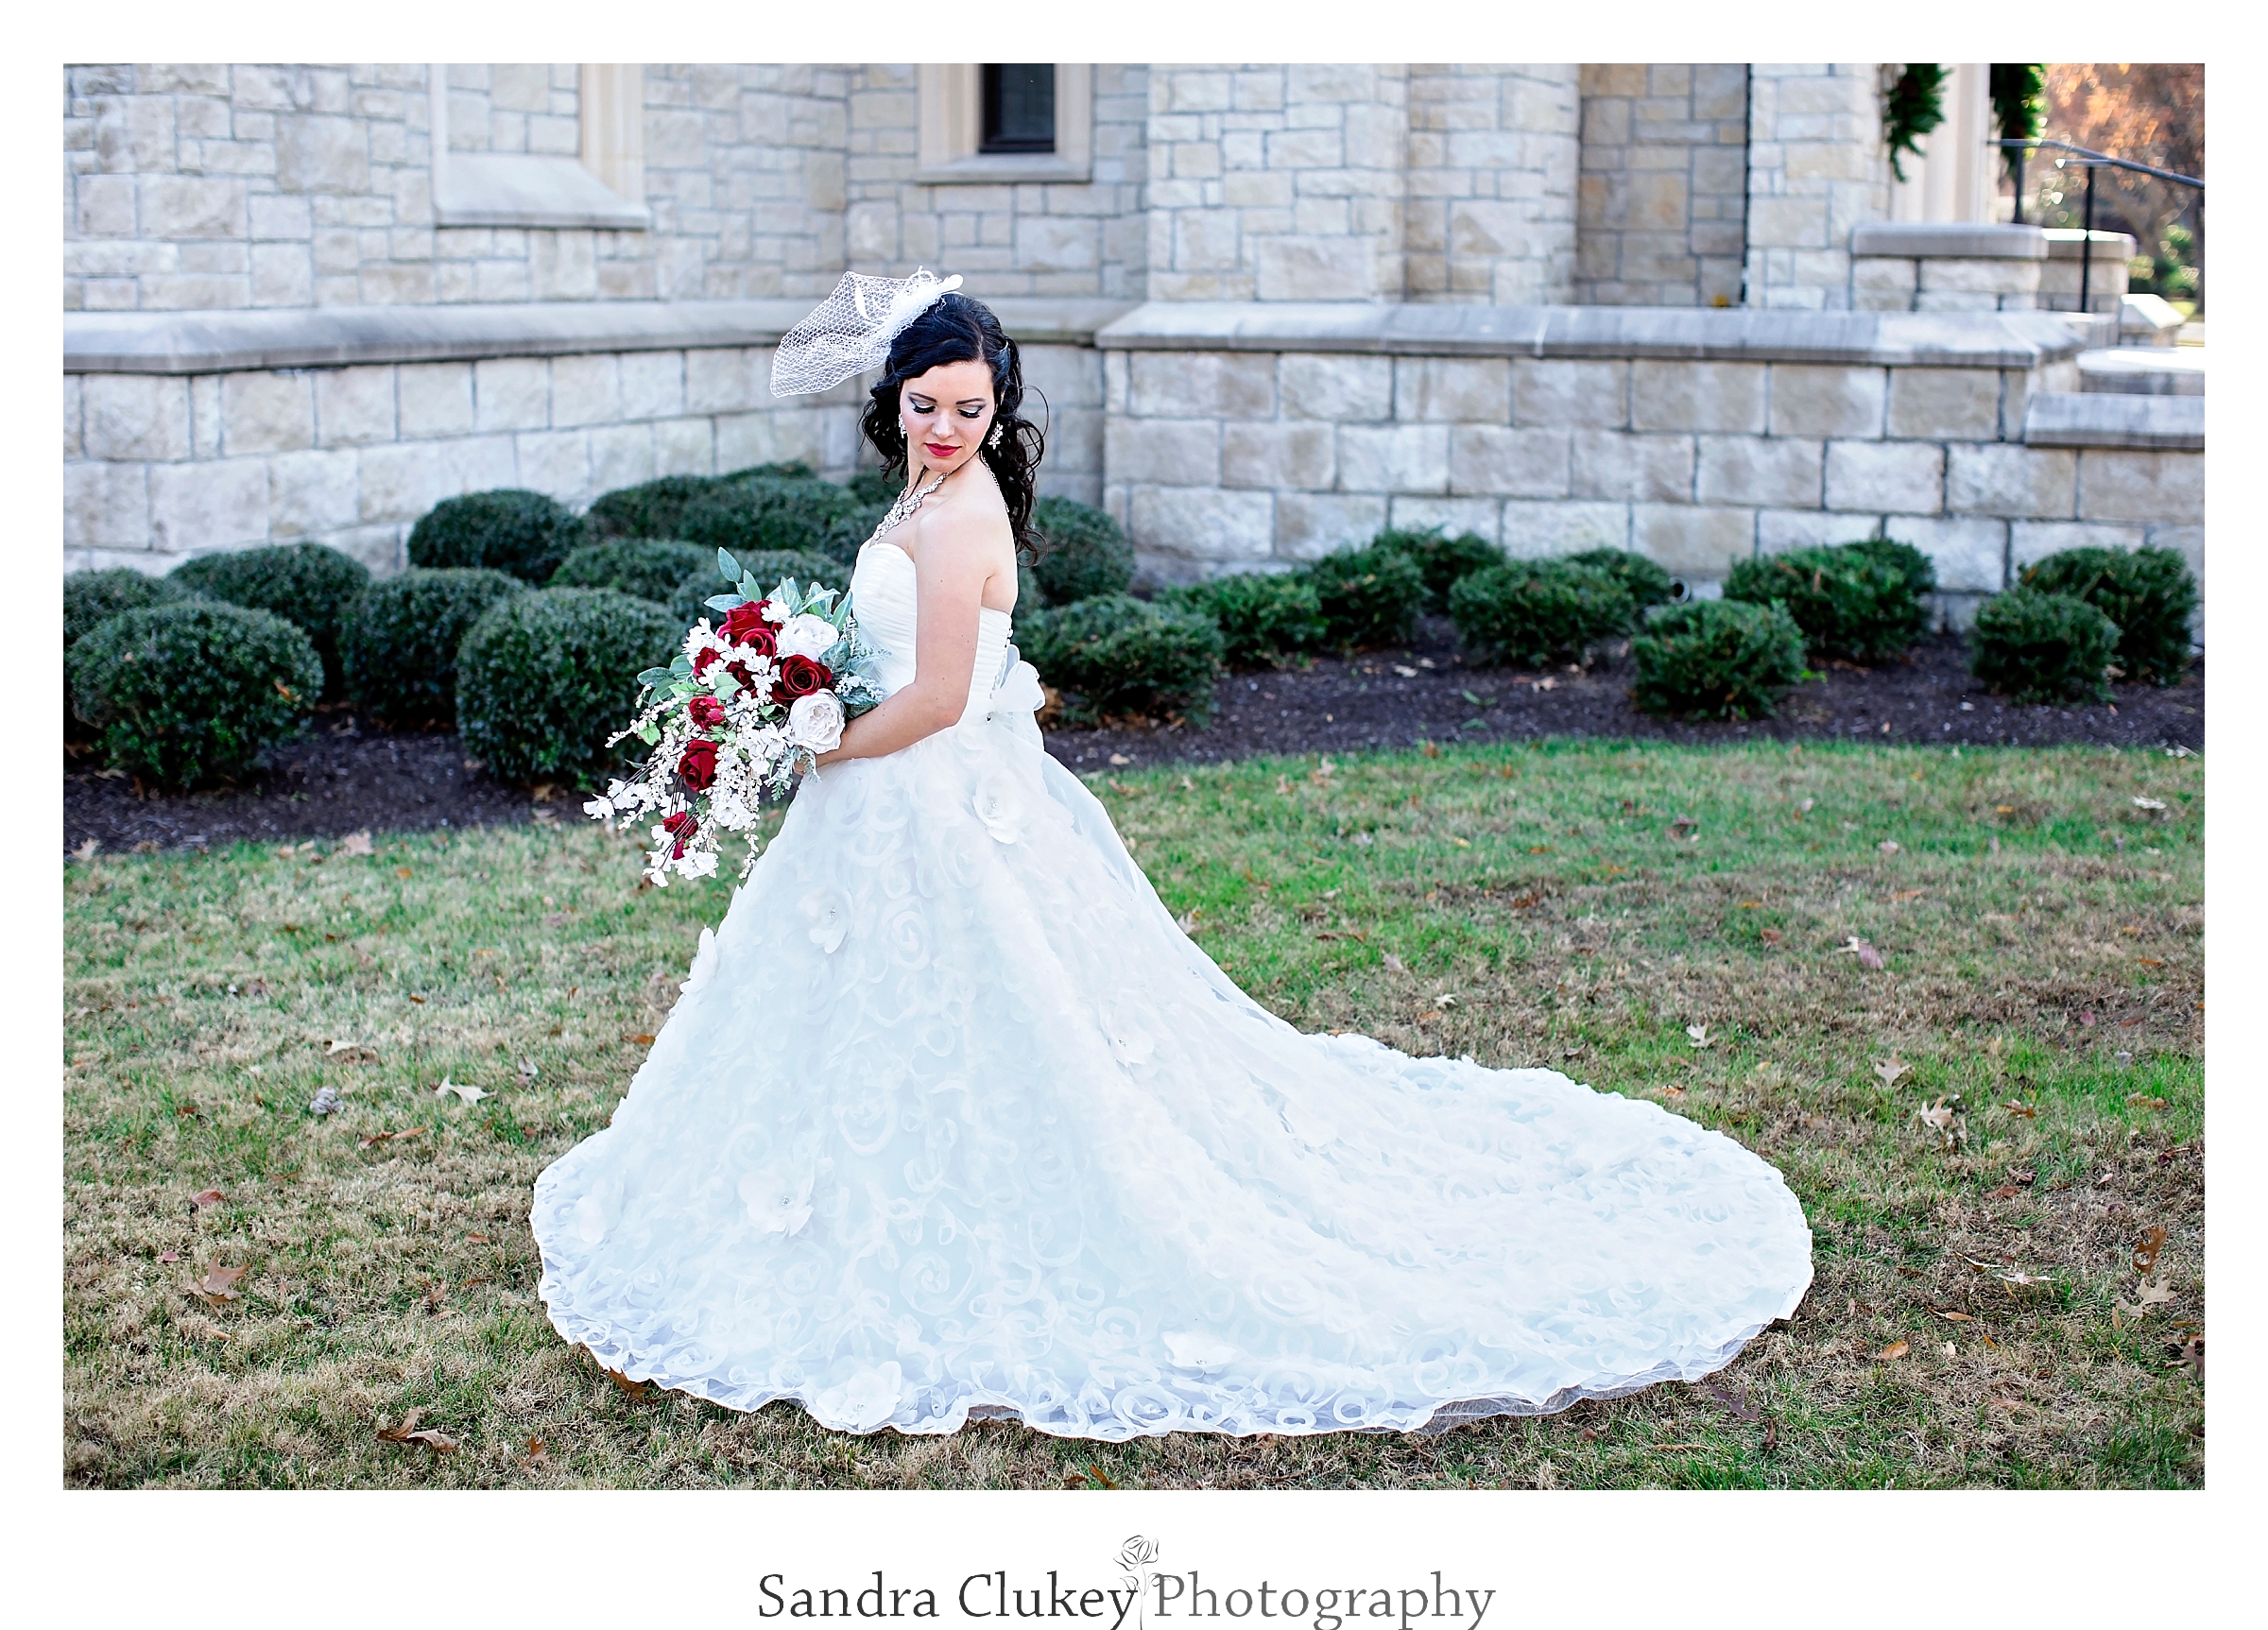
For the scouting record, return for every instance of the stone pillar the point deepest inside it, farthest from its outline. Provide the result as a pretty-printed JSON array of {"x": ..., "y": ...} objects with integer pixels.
[
  {"x": 1817, "y": 166},
  {"x": 1662, "y": 202},
  {"x": 1490, "y": 210}
]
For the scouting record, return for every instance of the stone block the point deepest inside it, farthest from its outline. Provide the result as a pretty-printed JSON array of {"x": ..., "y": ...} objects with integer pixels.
[
  {"x": 746, "y": 439},
  {"x": 1945, "y": 403},
  {"x": 136, "y": 416},
  {"x": 402, "y": 482},
  {"x": 1957, "y": 300},
  {"x": 2020, "y": 483},
  {"x": 1807, "y": 400},
  {"x": 1691, "y": 538},
  {"x": 686, "y": 447},
  {"x": 2031, "y": 540},
  {"x": 511, "y": 393},
  {"x": 1538, "y": 529},
  {"x": 1066, "y": 375},
  {"x": 1882, "y": 275},
  {"x": 204, "y": 415},
  {"x": 1481, "y": 516},
  {"x": 222, "y": 504},
  {"x": 353, "y": 406},
  {"x": 563, "y": 264},
  {"x": 620, "y": 456},
  {"x": 1202, "y": 523},
  {"x": 1471, "y": 390},
  {"x": 281, "y": 216},
  {"x": 1317, "y": 268},
  {"x": 1343, "y": 390},
  {"x": 1300, "y": 454},
  {"x": 1312, "y": 524},
  {"x": 653, "y": 384},
  {"x": 1075, "y": 440},
  {"x": 1057, "y": 243},
  {"x": 1721, "y": 396},
  {"x": 1980, "y": 276},
  {"x": 1763, "y": 471},
  {"x": 2157, "y": 489},
  {"x": 1781, "y": 530},
  {"x": 1217, "y": 383},
  {"x": 1492, "y": 459},
  {"x": 192, "y": 206},
  {"x": 1970, "y": 552},
  {"x": 557, "y": 462},
  {"x": 1166, "y": 452},
  {"x": 74, "y": 444},
  {"x": 312, "y": 494},
  {"x": 319, "y": 154},
  {"x": 1612, "y": 464},
  {"x": 105, "y": 206},
  {"x": 434, "y": 398},
  {"x": 106, "y": 505},
  {"x": 282, "y": 274},
  {"x": 585, "y": 390},
  {"x": 1571, "y": 395},
  {"x": 1885, "y": 477},
  {"x": 1396, "y": 458}
]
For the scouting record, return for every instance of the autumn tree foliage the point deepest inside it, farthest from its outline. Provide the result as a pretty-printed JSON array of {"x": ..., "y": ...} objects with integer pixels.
[{"x": 2152, "y": 112}]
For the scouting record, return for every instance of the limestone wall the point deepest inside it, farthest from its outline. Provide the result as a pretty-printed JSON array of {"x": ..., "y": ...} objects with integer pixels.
[
  {"x": 1491, "y": 183},
  {"x": 1664, "y": 201},
  {"x": 1817, "y": 168}
]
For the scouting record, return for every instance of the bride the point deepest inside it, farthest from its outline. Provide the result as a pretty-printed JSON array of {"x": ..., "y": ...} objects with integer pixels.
[{"x": 951, "y": 1120}]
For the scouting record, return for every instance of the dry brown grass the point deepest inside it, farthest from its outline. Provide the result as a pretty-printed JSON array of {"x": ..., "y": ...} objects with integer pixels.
[{"x": 209, "y": 998}]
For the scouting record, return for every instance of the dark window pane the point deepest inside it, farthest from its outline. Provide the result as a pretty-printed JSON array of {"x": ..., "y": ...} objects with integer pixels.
[{"x": 1019, "y": 108}]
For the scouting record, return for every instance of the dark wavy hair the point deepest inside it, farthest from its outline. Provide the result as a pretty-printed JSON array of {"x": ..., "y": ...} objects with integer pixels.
[{"x": 957, "y": 329}]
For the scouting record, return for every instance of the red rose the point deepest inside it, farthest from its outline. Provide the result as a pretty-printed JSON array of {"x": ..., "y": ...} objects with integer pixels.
[
  {"x": 702, "y": 660},
  {"x": 744, "y": 626},
  {"x": 684, "y": 826},
  {"x": 801, "y": 677},
  {"x": 698, "y": 764},
  {"x": 705, "y": 710},
  {"x": 740, "y": 672}
]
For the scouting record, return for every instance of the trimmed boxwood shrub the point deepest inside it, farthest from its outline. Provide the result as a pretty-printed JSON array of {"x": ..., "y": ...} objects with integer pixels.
[
  {"x": 749, "y": 514},
  {"x": 92, "y": 598},
  {"x": 1441, "y": 561},
  {"x": 509, "y": 529},
  {"x": 689, "y": 600},
  {"x": 543, "y": 678},
  {"x": 310, "y": 584},
  {"x": 193, "y": 693},
  {"x": 1266, "y": 618},
  {"x": 2038, "y": 647},
  {"x": 1646, "y": 583},
  {"x": 873, "y": 486},
  {"x": 1858, "y": 600},
  {"x": 1115, "y": 654},
  {"x": 399, "y": 650},
  {"x": 1530, "y": 614},
  {"x": 651, "y": 509},
  {"x": 1370, "y": 597},
  {"x": 1086, "y": 554},
  {"x": 644, "y": 568},
  {"x": 1715, "y": 658},
  {"x": 2148, "y": 593}
]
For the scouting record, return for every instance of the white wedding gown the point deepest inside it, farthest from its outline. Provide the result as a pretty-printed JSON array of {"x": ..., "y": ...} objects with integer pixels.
[{"x": 950, "y": 1120}]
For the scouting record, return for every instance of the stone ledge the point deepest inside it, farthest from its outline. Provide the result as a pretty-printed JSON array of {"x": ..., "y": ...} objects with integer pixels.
[
  {"x": 2102, "y": 418},
  {"x": 1891, "y": 340},
  {"x": 181, "y": 342},
  {"x": 2143, "y": 370},
  {"x": 1948, "y": 240}
]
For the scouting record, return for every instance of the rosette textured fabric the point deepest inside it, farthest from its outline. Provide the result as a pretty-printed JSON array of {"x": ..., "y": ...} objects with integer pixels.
[{"x": 951, "y": 1121}]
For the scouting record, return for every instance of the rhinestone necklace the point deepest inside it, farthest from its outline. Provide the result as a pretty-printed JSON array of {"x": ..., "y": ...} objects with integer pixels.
[{"x": 905, "y": 503}]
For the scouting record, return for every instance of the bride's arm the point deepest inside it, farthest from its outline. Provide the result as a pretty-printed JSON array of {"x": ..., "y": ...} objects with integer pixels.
[{"x": 954, "y": 563}]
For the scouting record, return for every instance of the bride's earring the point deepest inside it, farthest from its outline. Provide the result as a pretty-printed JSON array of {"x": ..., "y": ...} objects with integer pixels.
[{"x": 994, "y": 438}]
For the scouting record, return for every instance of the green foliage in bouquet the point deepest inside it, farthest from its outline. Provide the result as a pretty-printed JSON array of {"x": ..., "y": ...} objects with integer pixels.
[
  {"x": 1532, "y": 613},
  {"x": 2149, "y": 593},
  {"x": 1087, "y": 553},
  {"x": 1369, "y": 596},
  {"x": 1113, "y": 654},
  {"x": 2042, "y": 647},
  {"x": 646, "y": 567},
  {"x": 190, "y": 694},
  {"x": 310, "y": 584},
  {"x": 1858, "y": 600},
  {"x": 509, "y": 529},
  {"x": 1267, "y": 619},
  {"x": 689, "y": 599},
  {"x": 400, "y": 647},
  {"x": 543, "y": 678},
  {"x": 1441, "y": 560},
  {"x": 1715, "y": 660}
]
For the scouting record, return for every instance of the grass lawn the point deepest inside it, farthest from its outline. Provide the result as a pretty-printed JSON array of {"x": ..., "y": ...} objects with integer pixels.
[{"x": 2041, "y": 985}]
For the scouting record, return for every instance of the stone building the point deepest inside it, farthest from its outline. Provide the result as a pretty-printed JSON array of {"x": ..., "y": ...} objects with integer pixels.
[{"x": 1681, "y": 308}]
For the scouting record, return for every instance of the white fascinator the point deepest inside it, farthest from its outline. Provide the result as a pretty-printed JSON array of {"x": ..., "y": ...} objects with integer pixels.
[{"x": 853, "y": 327}]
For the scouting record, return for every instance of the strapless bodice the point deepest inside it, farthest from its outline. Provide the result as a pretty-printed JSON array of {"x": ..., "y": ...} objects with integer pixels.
[{"x": 883, "y": 599}]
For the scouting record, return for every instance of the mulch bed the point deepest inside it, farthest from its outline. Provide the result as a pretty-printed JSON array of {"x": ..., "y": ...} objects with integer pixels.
[{"x": 342, "y": 778}]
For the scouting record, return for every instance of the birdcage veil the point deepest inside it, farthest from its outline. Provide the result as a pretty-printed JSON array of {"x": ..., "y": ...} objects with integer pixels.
[{"x": 853, "y": 327}]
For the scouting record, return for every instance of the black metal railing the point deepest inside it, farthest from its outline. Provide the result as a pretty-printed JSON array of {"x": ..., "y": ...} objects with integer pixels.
[{"x": 2088, "y": 158}]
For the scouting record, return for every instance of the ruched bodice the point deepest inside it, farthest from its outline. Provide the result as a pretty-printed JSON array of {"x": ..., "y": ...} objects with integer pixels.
[{"x": 883, "y": 599}]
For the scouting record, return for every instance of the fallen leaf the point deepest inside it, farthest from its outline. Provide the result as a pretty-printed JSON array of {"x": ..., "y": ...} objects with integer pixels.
[
  {"x": 86, "y": 850},
  {"x": 2026, "y": 1111},
  {"x": 1394, "y": 964},
  {"x": 2143, "y": 1101},
  {"x": 541, "y": 792},
  {"x": 409, "y": 1431},
  {"x": 376, "y": 1138},
  {"x": 537, "y": 1454},
  {"x": 169, "y": 1256},
  {"x": 1680, "y": 1448},
  {"x": 1673, "y": 1092},
  {"x": 2006, "y": 1192},
  {"x": 527, "y": 1070},
  {"x": 1943, "y": 1117},
  {"x": 357, "y": 843},
  {"x": 2147, "y": 1248},
  {"x": 1944, "y": 1315},
  {"x": 1890, "y": 1069},
  {"x": 1909, "y": 894},
  {"x": 2147, "y": 1295},
  {"x": 219, "y": 1287},
  {"x": 2024, "y": 1174},
  {"x": 1428, "y": 1016},
  {"x": 641, "y": 1040},
  {"x": 478, "y": 1239},
  {"x": 2191, "y": 1357},
  {"x": 470, "y": 1094},
  {"x": 419, "y": 999},
  {"x": 209, "y": 1197},
  {"x": 1888, "y": 845},
  {"x": 2142, "y": 804},
  {"x": 1867, "y": 953},
  {"x": 1769, "y": 936},
  {"x": 1896, "y": 1349},
  {"x": 1697, "y": 1035},
  {"x": 630, "y": 1388},
  {"x": 402, "y": 871}
]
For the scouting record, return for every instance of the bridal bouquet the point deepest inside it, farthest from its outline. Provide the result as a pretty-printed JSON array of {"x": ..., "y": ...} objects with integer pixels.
[{"x": 739, "y": 714}]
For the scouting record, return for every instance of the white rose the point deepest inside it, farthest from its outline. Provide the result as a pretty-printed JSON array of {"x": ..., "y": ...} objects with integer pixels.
[
  {"x": 778, "y": 1202},
  {"x": 1000, "y": 806},
  {"x": 815, "y": 722},
  {"x": 805, "y": 635}
]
